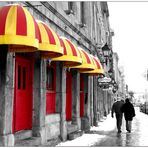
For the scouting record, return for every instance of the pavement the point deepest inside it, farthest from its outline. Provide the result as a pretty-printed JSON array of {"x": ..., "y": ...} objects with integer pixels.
[
  {"x": 92, "y": 137},
  {"x": 106, "y": 133}
]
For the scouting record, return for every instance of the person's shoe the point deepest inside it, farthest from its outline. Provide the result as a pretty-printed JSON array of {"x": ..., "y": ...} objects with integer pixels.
[
  {"x": 129, "y": 131},
  {"x": 119, "y": 131}
]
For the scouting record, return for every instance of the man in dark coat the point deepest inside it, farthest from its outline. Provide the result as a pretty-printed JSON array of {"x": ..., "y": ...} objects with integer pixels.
[
  {"x": 116, "y": 108},
  {"x": 129, "y": 113}
]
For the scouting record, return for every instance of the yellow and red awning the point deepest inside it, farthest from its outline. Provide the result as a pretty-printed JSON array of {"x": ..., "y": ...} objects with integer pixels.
[
  {"x": 49, "y": 43},
  {"x": 71, "y": 55},
  {"x": 87, "y": 62},
  {"x": 98, "y": 67},
  {"x": 18, "y": 28}
]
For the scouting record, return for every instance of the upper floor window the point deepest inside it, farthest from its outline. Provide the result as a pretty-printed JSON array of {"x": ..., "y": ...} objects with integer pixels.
[
  {"x": 82, "y": 14},
  {"x": 70, "y": 9},
  {"x": 70, "y": 5}
]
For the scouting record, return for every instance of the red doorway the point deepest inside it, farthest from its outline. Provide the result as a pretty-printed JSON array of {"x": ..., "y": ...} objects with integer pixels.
[
  {"x": 68, "y": 96},
  {"x": 22, "y": 117},
  {"x": 81, "y": 95}
]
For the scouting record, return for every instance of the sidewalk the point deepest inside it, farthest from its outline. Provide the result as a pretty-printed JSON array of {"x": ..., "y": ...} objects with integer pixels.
[
  {"x": 106, "y": 133},
  {"x": 87, "y": 139}
]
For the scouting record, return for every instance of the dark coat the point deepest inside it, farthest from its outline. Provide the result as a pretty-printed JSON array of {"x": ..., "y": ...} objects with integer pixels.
[
  {"x": 129, "y": 111},
  {"x": 117, "y": 107}
]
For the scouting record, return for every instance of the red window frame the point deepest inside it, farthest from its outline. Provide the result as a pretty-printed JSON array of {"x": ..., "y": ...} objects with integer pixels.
[{"x": 51, "y": 89}]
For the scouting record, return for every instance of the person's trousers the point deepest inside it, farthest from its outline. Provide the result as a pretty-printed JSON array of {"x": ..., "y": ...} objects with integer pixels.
[
  {"x": 119, "y": 121},
  {"x": 128, "y": 125}
]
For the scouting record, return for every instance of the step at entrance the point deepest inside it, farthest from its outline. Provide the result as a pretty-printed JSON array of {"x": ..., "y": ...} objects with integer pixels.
[
  {"x": 75, "y": 135},
  {"x": 33, "y": 141}
]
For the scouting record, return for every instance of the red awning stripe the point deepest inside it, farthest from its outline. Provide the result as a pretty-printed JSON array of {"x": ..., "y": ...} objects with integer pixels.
[
  {"x": 72, "y": 48},
  {"x": 3, "y": 16},
  {"x": 71, "y": 56},
  {"x": 21, "y": 28},
  {"x": 37, "y": 31},
  {"x": 63, "y": 45},
  {"x": 87, "y": 57},
  {"x": 50, "y": 35},
  {"x": 49, "y": 42},
  {"x": 97, "y": 63},
  {"x": 18, "y": 28}
]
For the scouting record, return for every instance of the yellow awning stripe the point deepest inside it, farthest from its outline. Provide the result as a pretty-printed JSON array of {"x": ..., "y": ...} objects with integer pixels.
[
  {"x": 18, "y": 28},
  {"x": 87, "y": 62},
  {"x": 98, "y": 67},
  {"x": 71, "y": 55},
  {"x": 30, "y": 24},
  {"x": 49, "y": 43},
  {"x": 10, "y": 27}
]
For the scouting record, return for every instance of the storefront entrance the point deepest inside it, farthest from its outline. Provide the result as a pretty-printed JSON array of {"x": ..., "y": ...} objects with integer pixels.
[
  {"x": 81, "y": 95},
  {"x": 68, "y": 96},
  {"x": 22, "y": 116}
]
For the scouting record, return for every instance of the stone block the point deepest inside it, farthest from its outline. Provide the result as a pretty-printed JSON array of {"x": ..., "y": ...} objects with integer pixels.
[
  {"x": 75, "y": 135},
  {"x": 23, "y": 135},
  {"x": 7, "y": 140},
  {"x": 33, "y": 141},
  {"x": 71, "y": 128},
  {"x": 52, "y": 118},
  {"x": 52, "y": 130},
  {"x": 40, "y": 132},
  {"x": 85, "y": 125},
  {"x": 63, "y": 131}
]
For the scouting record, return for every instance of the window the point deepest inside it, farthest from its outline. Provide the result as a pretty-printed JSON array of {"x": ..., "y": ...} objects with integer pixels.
[
  {"x": 21, "y": 85},
  {"x": 70, "y": 5},
  {"x": 50, "y": 78},
  {"x": 24, "y": 78},
  {"x": 19, "y": 77},
  {"x": 70, "y": 9},
  {"x": 51, "y": 89},
  {"x": 82, "y": 15},
  {"x": 81, "y": 82}
]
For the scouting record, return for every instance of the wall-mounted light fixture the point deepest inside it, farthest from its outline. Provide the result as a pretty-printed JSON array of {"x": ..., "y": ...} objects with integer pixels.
[{"x": 106, "y": 51}]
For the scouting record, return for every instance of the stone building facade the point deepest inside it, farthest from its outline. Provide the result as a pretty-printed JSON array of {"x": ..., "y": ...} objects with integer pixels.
[
  {"x": 46, "y": 99},
  {"x": 119, "y": 76}
]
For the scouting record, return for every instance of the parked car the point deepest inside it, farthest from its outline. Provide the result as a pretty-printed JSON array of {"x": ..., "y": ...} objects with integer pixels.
[{"x": 144, "y": 108}]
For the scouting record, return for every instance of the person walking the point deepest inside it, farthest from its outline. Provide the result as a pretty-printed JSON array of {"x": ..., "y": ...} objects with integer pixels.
[
  {"x": 116, "y": 108},
  {"x": 129, "y": 113}
]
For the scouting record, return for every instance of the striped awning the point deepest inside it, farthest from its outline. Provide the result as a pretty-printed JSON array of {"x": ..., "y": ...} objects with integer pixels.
[
  {"x": 98, "y": 67},
  {"x": 71, "y": 55},
  {"x": 49, "y": 44},
  {"x": 18, "y": 29},
  {"x": 87, "y": 62}
]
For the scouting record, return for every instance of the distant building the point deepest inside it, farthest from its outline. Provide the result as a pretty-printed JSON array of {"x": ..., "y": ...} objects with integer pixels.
[{"x": 119, "y": 76}]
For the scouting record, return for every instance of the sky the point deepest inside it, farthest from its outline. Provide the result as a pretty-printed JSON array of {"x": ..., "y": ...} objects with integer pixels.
[{"x": 129, "y": 20}]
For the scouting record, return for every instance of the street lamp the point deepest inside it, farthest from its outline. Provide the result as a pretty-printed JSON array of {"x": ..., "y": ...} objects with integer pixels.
[
  {"x": 110, "y": 72},
  {"x": 106, "y": 51}
]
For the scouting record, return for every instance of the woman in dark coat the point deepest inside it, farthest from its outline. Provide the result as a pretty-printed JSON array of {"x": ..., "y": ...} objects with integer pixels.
[{"x": 129, "y": 113}]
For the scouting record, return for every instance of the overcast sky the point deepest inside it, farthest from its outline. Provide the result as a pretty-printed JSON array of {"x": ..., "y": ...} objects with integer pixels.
[{"x": 129, "y": 20}]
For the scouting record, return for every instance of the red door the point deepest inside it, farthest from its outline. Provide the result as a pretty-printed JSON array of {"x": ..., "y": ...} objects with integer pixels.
[
  {"x": 81, "y": 95},
  {"x": 68, "y": 96},
  {"x": 23, "y": 95},
  {"x": 51, "y": 89}
]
